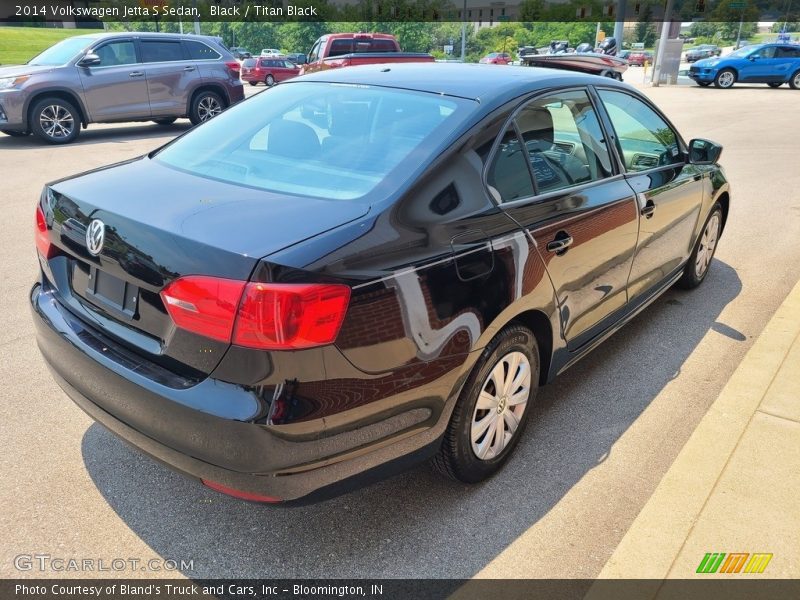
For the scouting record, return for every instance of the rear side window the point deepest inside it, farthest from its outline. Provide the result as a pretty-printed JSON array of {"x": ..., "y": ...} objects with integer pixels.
[
  {"x": 563, "y": 141},
  {"x": 645, "y": 140},
  {"x": 321, "y": 140},
  {"x": 508, "y": 176},
  {"x": 200, "y": 51},
  {"x": 161, "y": 51},
  {"x": 787, "y": 52}
]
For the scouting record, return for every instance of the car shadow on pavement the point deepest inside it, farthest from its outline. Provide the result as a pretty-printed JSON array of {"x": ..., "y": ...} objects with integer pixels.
[
  {"x": 417, "y": 524},
  {"x": 100, "y": 135}
]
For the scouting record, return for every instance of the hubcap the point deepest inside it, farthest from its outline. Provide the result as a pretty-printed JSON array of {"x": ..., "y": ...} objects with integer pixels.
[
  {"x": 56, "y": 121},
  {"x": 501, "y": 403},
  {"x": 726, "y": 79},
  {"x": 797, "y": 80},
  {"x": 208, "y": 107},
  {"x": 708, "y": 242}
]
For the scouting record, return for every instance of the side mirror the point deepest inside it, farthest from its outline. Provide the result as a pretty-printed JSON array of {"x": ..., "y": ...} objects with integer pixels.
[
  {"x": 90, "y": 60},
  {"x": 704, "y": 152}
]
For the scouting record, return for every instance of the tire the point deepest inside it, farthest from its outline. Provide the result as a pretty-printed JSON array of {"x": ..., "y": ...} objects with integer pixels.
[
  {"x": 794, "y": 82},
  {"x": 725, "y": 79},
  {"x": 165, "y": 120},
  {"x": 205, "y": 105},
  {"x": 270, "y": 80},
  {"x": 703, "y": 83},
  {"x": 469, "y": 454},
  {"x": 775, "y": 84},
  {"x": 55, "y": 121},
  {"x": 14, "y": 133},
  {"x": 693, "y": 274}
]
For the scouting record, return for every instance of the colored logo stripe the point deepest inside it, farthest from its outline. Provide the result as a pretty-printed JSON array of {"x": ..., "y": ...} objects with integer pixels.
[
  {"x": 758, "y": 563},
  {"x": 735, "y": 561}
]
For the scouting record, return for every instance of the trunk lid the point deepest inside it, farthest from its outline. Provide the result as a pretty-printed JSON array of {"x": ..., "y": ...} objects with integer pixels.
[{"x": 161, "y": 224}]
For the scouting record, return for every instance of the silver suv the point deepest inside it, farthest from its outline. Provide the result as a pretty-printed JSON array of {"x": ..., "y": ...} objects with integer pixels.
[{"x": 115, "y": 77}]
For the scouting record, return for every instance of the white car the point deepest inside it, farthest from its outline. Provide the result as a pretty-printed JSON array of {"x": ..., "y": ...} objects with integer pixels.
[{"x": 270, "y": 52}]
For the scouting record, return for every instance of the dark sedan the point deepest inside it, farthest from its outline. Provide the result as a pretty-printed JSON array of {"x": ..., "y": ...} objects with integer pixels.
[
  {"x": 365, "y": 268},
  {"x": 701, "y": 52}
]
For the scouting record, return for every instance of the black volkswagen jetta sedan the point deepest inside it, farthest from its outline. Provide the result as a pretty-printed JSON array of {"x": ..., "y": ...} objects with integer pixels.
[{"x": 366, "y": 267}]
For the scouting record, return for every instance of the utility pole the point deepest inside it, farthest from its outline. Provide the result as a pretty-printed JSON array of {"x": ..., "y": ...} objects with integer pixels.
[
  {"x": 464, "y": 33},
  {"x": 662, "y": 44},
  {"x": 196, "y": 19},
  {"x": 741, "y": 20},
  {"x": 619, "y": 24}
]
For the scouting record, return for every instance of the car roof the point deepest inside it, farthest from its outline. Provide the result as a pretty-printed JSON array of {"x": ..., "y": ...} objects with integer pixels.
[
  {"x": 484, "y": 83},
  {"x": 147, "y": 34}
]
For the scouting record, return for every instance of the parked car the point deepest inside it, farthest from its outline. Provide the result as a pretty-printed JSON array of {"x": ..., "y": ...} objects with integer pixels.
[
  {"x": 351, "y": 49},
  {"x": 624, "y": 54},
  {"x": 115, "y": 77},
  {"x": 240, "y": 53},
  {"x": 638, "y": 58},
  {"x": 773, "y": 64},
  {"x": 271, "y": 52},
  {"x": 297, "y": 58},
  {"x": 496, "y": 58},
  {"x": 473, "y": 235},
  {"x": 703, "y": 51},
  {"x": 268, "y": 70}
]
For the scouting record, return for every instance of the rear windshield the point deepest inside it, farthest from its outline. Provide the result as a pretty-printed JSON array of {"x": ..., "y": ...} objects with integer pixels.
[
  {"x": 249, "y": 62},
  {"x": 318, "y": 139},
  {"x": 348, "y": 46},
  {"x": 62, "y": 52}
]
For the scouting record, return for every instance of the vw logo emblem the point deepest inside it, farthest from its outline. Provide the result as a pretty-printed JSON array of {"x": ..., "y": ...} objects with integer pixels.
[{"x": 95, "y": 235}]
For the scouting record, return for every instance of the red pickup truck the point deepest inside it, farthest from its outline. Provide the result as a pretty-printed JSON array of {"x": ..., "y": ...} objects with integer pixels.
[{"x": 350, "y": 49}]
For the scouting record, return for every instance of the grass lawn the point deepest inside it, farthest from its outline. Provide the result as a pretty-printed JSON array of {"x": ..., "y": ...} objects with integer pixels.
[{"x": 19, "y": 44}]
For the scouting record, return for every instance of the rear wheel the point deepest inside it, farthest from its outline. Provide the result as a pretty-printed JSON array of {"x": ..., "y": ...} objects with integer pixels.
[
  {"x": 725, "y": 79},
  {"x": 696, "y": 268},
  {"x": 205, "y": 105},
  {"x": 493, "y": 408},
  {"x": 270, "y": 81},
  {"x": 775, "y": 84},
  {"x": 14, "y": 133},
  {"x": 55, "y": 121},
  {"x": 794, "y": 82}
]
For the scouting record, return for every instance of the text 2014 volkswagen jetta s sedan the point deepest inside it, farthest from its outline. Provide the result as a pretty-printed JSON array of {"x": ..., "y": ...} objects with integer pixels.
[{"x": 366, "y": 267}]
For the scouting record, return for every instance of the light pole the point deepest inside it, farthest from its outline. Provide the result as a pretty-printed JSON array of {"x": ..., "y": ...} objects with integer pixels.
[
  {"x": 464, "y": 33},
  {"x": 662, "y": 44}
]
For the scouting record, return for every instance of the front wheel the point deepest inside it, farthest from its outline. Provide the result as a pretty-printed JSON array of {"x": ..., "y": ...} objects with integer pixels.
[
  {"x": 794, "y": 82},
  {"x": 493, "y": 408},
  {"x": 725, "y": 79},
  {"x": 696, "y": 268},
  {"x": 55, "y": 121},
  {"x": 704, "y": 83},
  {"x": 206, "y": 105}
]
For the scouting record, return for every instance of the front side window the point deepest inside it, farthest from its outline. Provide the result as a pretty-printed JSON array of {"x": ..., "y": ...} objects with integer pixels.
[
  {"x": 159, "y": 51},
  {"x": 314, "y": 54},
  {"x": 645, "y": 140},
  {"x": 767, "y": 52},
  {"x": 116, "y": 53},
  {"x": 314, "y": 139},
  {"x": 563, "y": 141},
  {"x": 508, "y": 176}
]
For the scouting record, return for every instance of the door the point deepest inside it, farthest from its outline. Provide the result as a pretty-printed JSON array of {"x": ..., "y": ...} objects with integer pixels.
[
  {"x": 761, "y": 66},
  {"x": 554, "y": 176},
  {"x": 171, "y": 76},
  {"x": 115, "y": 90},
  {"x": 285, "y": 70},
  {"x": 669, "y": 190}
]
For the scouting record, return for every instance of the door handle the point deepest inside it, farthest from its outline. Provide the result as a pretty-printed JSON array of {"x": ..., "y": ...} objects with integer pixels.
[
  {"x": 136, "y": 74},
  {"x": 648, "y": 210},
  {"x": 560, "y": 244},
  {"x": 188, "y": 68}
]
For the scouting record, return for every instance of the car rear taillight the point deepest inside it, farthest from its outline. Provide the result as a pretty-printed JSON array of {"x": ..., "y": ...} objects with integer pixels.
[
  {"x": 239, "y": 493},
  {"x": 233, "y": 65},
  {"x": 43, "y": 244},
  {"x": 266, "y": 316}
]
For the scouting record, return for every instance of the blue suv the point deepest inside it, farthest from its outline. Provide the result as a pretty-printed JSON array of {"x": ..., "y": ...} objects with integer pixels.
[{"x": 773, "y": 64}]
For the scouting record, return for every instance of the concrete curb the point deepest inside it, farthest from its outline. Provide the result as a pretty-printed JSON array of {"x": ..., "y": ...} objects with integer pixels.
[{"x": 657, "y": 536}]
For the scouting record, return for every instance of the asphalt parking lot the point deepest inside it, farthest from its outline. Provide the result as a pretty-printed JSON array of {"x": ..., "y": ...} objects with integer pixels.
[{"x": 599, "y": 441}]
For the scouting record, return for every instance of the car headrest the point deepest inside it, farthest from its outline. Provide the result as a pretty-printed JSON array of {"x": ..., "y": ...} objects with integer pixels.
[
  {"x": 536, "y": 125},
  {"x": 348, "y": 118},
  {"x": 292, "y": 139}
]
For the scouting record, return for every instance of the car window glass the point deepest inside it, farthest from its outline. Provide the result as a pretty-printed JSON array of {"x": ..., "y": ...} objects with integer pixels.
[
  {"x": 508, "y": 175},
  {"x": 339, "y": 47},
  {"x": 319, "y": 140},
  {"x": 786, "y": 52},
  {"x": 161, "y": 51},
  {"x": 116, "y": 53},
  {"x": 563, "y": 141},
  {"x": 768, "y": 52},
  {"x": 313, "y": 55},
  {"x": 199, "y": 51},
  {"x": 645, "y": 140},
  {"x": 249, "y": 62}
]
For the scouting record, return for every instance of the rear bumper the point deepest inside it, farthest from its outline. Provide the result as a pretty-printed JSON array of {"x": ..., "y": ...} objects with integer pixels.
[{"x": 215, "y": 443}]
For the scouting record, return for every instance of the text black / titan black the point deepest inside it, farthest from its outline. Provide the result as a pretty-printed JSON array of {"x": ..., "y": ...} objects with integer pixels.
[{"x": 364, "y": 268}]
